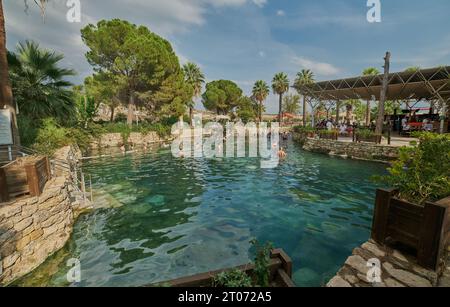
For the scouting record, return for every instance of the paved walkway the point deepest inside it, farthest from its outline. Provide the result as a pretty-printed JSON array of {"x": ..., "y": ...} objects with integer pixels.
[
  {"x": 397, "y": 270},
  {"x": 396, "y": 141}
]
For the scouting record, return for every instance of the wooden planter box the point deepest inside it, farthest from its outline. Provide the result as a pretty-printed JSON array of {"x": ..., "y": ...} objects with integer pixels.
[
  {"x": 425, "y": 229},
  {"x": 25, "y": 176},
  {"x": 329, "y": 136},
  {"x": 280, "y": 273},
  {"x": 373, "y": 139}
]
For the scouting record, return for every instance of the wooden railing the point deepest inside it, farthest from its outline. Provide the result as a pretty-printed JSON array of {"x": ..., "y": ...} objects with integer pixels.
[{"x": 280, "y": 268}]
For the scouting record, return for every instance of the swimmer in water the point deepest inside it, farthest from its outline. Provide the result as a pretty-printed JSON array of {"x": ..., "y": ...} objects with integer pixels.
[
  {"x": 281, "y": 153},
  {"x": 123, "y": 149}
]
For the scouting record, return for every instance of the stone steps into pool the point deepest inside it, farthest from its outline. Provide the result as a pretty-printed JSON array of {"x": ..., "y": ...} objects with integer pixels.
[{"x": 397, "y": 270}]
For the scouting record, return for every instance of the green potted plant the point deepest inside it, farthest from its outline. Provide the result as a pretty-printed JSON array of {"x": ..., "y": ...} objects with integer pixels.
[
  {"x": 329, "y": 134},
  {"x": 415, "y": 212},
  {"x": 307, "y": 131},
  {"x": 367, "y": 135}
]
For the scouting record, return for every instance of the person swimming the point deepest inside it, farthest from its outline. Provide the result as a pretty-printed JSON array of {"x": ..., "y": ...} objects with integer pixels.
[{"x": 281, "y": 153}]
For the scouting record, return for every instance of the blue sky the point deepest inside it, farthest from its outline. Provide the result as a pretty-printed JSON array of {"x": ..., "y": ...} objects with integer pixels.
[{"x": 248, "y": 40}]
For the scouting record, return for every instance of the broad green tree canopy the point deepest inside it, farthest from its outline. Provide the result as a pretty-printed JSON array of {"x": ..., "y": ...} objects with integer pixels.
[
  {"x": 221, "y": 96},
  {"x": 143, "y": 63}
]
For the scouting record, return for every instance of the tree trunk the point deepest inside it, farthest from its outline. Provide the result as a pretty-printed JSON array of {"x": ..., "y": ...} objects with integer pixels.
[
  {"x": 112, "y": 109},
  {"x": 280, "y": 110},
  {"x": 191, "y": 116},
  {"x": 368, "y": 114},
  {"x": 6, "y": 95},
  {"x": 347, "y": 115},
  {"x": 130, "y": 109},
  {"x": 304, "y": 111},
  {"x": 260, "y": 111},
  {"x": 384, "y": 88}
]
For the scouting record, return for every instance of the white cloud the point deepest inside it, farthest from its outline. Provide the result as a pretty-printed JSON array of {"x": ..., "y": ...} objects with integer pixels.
[
  {"x": 320, "y": 68},
  {"x": 262, "y": 54},
  {"x": 281, "y": 13},
  {"x": 260, "y": 3}
]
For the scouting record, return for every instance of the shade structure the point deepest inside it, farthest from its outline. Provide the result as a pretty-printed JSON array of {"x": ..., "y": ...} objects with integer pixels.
[{"x": 429, "y": 84}]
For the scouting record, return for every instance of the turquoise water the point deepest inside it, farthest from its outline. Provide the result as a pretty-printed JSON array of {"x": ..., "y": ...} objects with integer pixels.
[{"x": 175, "y": 217}]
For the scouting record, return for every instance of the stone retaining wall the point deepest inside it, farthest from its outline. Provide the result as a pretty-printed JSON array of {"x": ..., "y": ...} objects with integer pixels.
[
  {"x": 361, "y": 151},
  {"x": 32, "y": 229},
  {"x": 116, "y": 139}
]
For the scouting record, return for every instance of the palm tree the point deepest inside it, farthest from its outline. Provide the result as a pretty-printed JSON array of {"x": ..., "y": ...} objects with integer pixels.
[
  {"x": 195, "y": 78},
  {"x": 39, "y": 83},
  {"x": 260, "y": 92},
  {"x": 6, "y": 96},
  {"x": 412, "y": 69},
  {"x": 280, "y": 85},
  {"x": 305, "y": 77},
  {"x": 291, "y": 104},
  {"x": 371, "y": 71}
]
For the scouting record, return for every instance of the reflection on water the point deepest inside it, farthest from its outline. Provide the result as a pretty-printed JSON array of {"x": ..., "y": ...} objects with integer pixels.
[{"x": 160, "y": 217}]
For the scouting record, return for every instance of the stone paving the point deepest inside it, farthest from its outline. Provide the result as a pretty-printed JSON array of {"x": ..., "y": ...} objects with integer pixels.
[
  {"x": 397, "y": 270},
  {"x": 396, "y": 141}
]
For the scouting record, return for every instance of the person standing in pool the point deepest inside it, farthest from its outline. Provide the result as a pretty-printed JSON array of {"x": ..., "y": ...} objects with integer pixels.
[{"x": 281, "y": 153}]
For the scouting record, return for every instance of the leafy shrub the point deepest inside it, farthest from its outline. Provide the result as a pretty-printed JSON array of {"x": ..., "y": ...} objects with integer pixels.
[
  {"x": 328, "y": 132},
  {"x": 301, "y": 129},
  {"x": 261, "y": 272},
  {"x": 144, "y": 128},
  {"x": 262, "y": 259},
  {"x": 83, "y": 137},
  {"x": 50, "y": 137},
  {"x": 120, "y": 118},
  {"x": 365, "y": 133},
  {"x": 422, "y": 172},
  {"x": 28, "y": 129},
  {"x": 233, "y": 279}
]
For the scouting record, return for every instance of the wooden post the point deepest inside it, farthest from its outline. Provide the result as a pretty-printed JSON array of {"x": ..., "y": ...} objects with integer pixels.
[
  {"x": 285, "y": 260},
  {"x": 338, "y": 106},
  {"x": 381, "y": 214},
  {"x": 443, "y": 117},
  {"x": 33, "y": 179},
  {"x": 384, "y": 89},
  {"x": 4, "y": 193},
  {"x": 434, "y": 234},
  {"x": 389, "y": 134}
]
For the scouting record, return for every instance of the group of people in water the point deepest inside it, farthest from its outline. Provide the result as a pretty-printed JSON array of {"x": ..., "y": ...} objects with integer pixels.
[{"x": 284, "y": 137}]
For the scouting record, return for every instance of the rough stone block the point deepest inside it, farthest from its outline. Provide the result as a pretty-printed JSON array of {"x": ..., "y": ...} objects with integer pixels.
[
  {"x": 357, "y": 263},
  {"x": 10, "y": 210},
  {"x": 406, "y": 277},
  {"x": 10, "y": 260},
  {"x": 21, "y": 243},
  {"x": 23, "y": 224},
  {"x": 36, "y": 234},
  {"x": 338, "y": 282}
]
